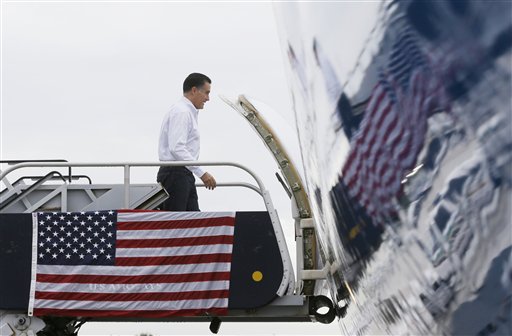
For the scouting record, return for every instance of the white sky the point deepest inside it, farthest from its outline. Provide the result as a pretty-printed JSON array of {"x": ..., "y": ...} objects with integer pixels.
[{"x": 90, "y": 81}]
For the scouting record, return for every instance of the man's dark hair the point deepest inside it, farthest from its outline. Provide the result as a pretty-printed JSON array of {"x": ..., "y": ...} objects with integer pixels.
[{"x": 195, "y": 79}]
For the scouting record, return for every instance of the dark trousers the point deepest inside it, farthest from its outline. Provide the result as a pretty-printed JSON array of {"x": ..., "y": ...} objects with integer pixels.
[{"x": 180, "y": 184}]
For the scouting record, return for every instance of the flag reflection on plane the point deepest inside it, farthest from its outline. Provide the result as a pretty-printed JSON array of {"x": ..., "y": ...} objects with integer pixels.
[{"x": 405, "y": 128}]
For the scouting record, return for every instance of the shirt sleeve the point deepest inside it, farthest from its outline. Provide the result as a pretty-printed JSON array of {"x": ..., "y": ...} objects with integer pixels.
[
  {"x": 196, "y": 170},
  {"x": 178, "y": 129}
]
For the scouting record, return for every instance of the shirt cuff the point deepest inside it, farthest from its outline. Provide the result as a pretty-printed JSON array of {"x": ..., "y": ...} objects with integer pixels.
[{"x": 196, "y": 170}]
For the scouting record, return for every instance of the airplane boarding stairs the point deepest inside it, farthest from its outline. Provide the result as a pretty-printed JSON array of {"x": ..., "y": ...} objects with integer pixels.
[
  {"x": 262, "y": 284},
  {"x": 32, "y": 193}
]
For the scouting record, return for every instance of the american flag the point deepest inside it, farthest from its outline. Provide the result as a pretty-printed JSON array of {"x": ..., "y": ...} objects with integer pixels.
[
  {"x": 131, "y": 263},
  {"x": 392, "y": 132}
]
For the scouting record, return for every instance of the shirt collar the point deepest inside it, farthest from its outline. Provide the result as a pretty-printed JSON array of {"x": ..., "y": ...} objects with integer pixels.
[{"x": 187, "y": 101}]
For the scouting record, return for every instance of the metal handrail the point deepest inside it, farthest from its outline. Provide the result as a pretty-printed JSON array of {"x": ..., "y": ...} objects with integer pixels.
[
  {"x": 13, "y": 162},
  {"x": 66, "y": 178},
  {"x": 127, "y": 166},
  {"x": 34, "y": 186},
  {"x": 234, "y": 184}
]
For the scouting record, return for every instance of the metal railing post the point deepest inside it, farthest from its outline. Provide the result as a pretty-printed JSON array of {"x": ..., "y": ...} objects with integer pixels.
[{"x": 126, "y": 186}]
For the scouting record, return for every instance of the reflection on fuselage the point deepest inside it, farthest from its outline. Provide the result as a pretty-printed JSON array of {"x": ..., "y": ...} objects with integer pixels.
[{"x": 408, "y": 156}]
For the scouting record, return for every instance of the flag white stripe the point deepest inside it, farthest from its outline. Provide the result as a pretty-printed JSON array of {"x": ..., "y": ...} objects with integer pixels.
[
  {"x": 132, "y": 305},
  {"x": 134, "y": 270},
  {"x": 169, "y": 216},
  {"x": 176, "y": 233},
  {"x": 174, "y": 251},
  {"x": 133, "y": 288}
]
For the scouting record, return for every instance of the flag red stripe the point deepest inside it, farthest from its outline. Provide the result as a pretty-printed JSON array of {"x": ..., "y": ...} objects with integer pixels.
[
  {"x": 174, "y": 260},
  {"x": 176, "y": 224},
  {"x": 130, "y": 313},
  {"x": 130, "y": 279},
  {"x": 363, "y": 147},
  {"x": 76, "y": 296},
  {"x": 370, "y": 160},
  {"x": 173, "y": 242},
  {"x": 383, "y": 159},
  {"x": 359, "y": 140}
]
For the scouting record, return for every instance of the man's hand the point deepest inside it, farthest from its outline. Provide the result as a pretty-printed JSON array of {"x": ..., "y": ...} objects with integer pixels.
[{"x": 209, "y": 181}]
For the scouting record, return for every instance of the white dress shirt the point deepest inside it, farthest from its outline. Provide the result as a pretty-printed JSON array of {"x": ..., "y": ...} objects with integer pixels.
[{"x": 179, "y": 135}]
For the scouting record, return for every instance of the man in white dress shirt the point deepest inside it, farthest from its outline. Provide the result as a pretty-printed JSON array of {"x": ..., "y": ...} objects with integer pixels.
[{"x": 179, "y": 141}]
